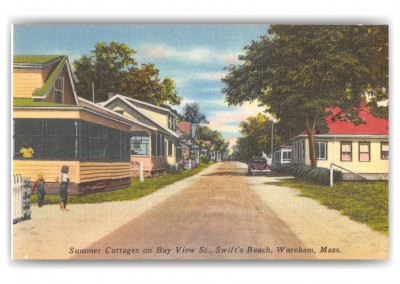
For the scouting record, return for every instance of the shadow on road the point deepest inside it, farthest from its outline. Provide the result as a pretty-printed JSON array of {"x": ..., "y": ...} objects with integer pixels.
[{"x": 233, "y": 173}]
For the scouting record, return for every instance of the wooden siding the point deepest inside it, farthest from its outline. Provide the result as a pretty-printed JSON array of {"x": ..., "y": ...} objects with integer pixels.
[
  {"x": 150, "y": 163},
  {"x": 79, "y": 172},
  {"x": 158, "y": 116},
  {"x": 68, "y": 95},
  {"x": 50, "y": 169},
  {"x": 91, "y": 171},
  {"x": 376, "y": 165},
  {"x": 26, "y": 81},
  {"x": 46, "y": 113}
]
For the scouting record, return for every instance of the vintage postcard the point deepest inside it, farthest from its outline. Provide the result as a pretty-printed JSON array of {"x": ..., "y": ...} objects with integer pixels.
[{"x": 200, "y": 142}]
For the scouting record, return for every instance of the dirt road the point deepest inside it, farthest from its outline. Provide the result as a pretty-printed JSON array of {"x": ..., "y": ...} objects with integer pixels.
[{"x": 218, "y": 214}]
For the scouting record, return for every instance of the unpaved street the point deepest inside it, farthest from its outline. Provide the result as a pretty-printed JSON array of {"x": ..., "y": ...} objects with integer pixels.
[{"x": 218, "y": 214}]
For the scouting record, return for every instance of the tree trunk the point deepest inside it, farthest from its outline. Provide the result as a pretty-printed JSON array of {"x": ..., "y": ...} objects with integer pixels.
[{"x": 310, "y": 128}]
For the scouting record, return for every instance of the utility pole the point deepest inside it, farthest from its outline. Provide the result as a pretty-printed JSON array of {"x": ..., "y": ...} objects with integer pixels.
[
  {"x": 272, "y": 142},
  {"x": 92, "y": 92}
]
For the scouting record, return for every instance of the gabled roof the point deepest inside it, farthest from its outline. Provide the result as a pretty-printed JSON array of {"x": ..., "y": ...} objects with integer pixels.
[
  {"x": 339, "y": 123},
  {"x": 105, "y": 112},
  {"x": 133, "y": 101},
  {"x": 33, "y": 61},
  {"x": 130, "y": 104},
  {"x": 184, "y": 127},
  {"x": 41, "y": 61}
]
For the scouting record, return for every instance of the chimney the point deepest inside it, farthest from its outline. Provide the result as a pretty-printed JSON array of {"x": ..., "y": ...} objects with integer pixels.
[
  {"x": 110, "y": 95},
  {"x": 363, "y": 102}
]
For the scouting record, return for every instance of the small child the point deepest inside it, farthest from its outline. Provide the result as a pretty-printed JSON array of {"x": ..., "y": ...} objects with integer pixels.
[
  {"x": 39, "y": 186},
  {"x": 63, "y": 180}
]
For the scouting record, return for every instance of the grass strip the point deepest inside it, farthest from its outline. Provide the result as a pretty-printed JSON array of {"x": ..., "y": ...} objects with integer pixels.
[
  {"x": 135, "y": 191},
  {"x": 364, "y": 202}
]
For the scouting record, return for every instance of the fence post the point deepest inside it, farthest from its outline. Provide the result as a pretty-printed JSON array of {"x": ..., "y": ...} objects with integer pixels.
[
  {"x": 17, "y": 199},
  {"x": 141, "y": 176},
  {"x": 26, "y": 199},
  {"x": 331, "y": 175}
]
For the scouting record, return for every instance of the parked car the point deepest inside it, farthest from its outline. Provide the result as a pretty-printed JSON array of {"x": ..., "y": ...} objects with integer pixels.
[{"x": 258, "y": 165}]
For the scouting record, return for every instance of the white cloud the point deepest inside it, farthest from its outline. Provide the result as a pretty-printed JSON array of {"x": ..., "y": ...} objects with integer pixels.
[
  {"x": 212, "y": 75},
  {"x": 231, "y": 59},
  {"x": 197, "y": 54}
]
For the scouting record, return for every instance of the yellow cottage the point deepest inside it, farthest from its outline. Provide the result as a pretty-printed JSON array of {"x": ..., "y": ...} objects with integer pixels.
[{"x": 63, "y": 129}]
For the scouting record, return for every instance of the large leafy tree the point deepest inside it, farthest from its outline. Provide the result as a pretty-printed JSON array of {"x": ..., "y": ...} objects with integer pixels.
[
  {"x": 256, "y": 137},
  {"x": 191, "y": 113},
  {"x": 112, "y": 68},
  {"x": 144, "y": 84},
  {"x": 298, "y": 70}
]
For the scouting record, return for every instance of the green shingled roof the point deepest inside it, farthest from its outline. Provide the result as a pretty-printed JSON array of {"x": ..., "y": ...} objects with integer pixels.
[
  {"x": 39, "y": 60},
  {"x": 28, "y": 102},
  {"x": 34, "y": 59}
]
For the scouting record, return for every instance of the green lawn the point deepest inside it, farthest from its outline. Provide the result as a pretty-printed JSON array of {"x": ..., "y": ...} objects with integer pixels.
[
  {"x": 365, "y": 202},
  {"x": 135, "y": 191}
]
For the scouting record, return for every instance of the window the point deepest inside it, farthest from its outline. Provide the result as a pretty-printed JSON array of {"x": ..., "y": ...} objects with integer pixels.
[
  {"x": 154, "y": 144},
  {"x": 286, "y": 156},
  {"x": 160, "y": 146},
  {"x": 59, "y": 90},
  {"x": 70, "y": 139},
  {"x": 157, "y": 145},
  {"x": 364, "y": 152},
  {"x": 61, "y": 138},
  {"x": 114, "y": 144},
  {"x": 169, "y": 148},
  {"x": 345, "y": 151},
  {"x": 384, "y": 150},
  {"x": 29, "y": 131},
  {"x": 320, "y": 150},
  {"x": 140, "y": 143},
  {"x": 98, "y": 142}
]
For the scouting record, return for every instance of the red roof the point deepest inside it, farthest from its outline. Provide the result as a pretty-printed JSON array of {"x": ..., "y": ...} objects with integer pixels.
[
  {"x": 338, "y": 124},
  {"x": 184, "y": 127},
  {"x": 207, "y": 142}
]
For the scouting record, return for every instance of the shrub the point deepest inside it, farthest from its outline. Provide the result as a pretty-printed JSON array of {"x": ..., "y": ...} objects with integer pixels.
[
  {"x": 204, "y": 159},
  {"x": 317, "y": 175}
]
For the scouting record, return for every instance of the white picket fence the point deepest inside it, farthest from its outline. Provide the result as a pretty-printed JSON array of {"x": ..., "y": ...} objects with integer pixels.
[
  {"x": 17, "y": 198},
  {"x": 21, "y": 202}
]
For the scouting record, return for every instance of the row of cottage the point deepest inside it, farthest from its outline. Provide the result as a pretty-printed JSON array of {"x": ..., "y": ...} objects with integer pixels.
[
  {"x": 103, "y": 144},
  {"x": 361, "y": 148}
]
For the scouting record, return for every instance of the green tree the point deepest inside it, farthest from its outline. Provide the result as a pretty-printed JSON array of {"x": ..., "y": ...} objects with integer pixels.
[
  {"x": 191, "y": 113},
  {"x": 217, "y": 141},
  {"x": 296, "y": 71},
  {"x": 145, "y": 84},
  {"x": 112, "y": 68},
  {"x": 106, "y": 68},
  {"x": 256, "y": 137}
]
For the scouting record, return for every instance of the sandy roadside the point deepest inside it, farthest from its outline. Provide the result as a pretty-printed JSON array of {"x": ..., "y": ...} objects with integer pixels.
[
  {"x": 50, "y": 233},
  {"x": 317, "y": 226}
]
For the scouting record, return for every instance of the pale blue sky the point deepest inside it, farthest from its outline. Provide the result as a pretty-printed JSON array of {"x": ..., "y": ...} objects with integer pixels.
[{"x": 193, "y": 55}]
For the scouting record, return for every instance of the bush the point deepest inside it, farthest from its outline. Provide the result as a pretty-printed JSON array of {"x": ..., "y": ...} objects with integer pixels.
[
  {"x": 204, "y": 159},
  {"x": 317, "y": 175}
]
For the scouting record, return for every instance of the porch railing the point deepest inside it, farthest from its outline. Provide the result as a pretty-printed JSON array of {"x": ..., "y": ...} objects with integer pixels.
[{"x": 340, "y": 167}]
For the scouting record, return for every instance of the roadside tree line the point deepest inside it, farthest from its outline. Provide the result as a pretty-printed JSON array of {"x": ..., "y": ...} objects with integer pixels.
[
  {"x": 295, "y": 71},
  {"x": 113, "y": 68}
]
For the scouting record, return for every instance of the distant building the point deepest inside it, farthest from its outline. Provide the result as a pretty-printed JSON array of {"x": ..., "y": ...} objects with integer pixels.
[{"x": 282, "y": 155}]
